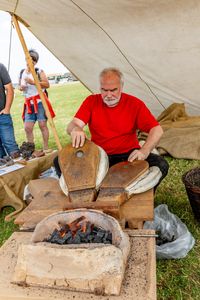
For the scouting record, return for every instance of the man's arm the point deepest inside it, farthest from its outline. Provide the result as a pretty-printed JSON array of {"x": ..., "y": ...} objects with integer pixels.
[
  {"x": 9, "y": 98},
  {"x": 75, "y": 129},
  {"x": 44, "y": 82},
  {"x": 152, "y": 140}
]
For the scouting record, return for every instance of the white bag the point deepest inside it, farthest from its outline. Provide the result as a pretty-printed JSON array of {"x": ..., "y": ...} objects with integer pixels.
[{"x": 173, "y": 230}]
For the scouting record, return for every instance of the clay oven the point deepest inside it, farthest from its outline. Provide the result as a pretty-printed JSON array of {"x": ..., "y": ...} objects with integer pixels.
[{"x": 88, "y": 267}]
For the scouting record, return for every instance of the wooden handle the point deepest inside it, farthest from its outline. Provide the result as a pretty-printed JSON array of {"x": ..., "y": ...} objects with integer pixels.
[{"x": 37, "y": 83}]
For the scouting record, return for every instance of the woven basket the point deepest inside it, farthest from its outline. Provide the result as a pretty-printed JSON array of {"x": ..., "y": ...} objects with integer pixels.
[{"x": 191, "y": 179}]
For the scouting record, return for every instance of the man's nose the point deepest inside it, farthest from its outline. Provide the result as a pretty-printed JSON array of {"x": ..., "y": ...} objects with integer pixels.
[{"x": 109, "y": 94}]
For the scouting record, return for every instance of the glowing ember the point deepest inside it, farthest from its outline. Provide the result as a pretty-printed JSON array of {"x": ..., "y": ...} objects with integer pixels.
[{"x": 80, "y": 231}]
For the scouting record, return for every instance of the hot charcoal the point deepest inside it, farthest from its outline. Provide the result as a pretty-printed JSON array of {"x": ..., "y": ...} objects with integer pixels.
[
  {"x": 162, "y": 239},
  {"x": 79, "y": 231}
]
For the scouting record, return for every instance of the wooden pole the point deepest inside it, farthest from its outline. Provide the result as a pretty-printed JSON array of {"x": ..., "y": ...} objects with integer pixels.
[{"x": 36, "y": 80}]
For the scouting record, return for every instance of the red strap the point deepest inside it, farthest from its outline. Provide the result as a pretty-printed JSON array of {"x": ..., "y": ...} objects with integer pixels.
[{"x": 35, "y": 104}]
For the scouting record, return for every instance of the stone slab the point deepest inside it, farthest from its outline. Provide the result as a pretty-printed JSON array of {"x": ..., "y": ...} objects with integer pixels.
[
  {"x": 139, "y": 282},
  {"x": 97, "y": 269}
]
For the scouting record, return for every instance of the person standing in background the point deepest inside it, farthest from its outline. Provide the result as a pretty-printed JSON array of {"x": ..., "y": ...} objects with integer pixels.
[
  {"x": 33, "y": 107},
  {"x": 8, "y": 145}
]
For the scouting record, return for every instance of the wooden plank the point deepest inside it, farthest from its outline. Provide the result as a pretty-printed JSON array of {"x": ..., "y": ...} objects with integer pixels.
[
  {"x": 46, "y": 203},
  {"x": 79, "y": 166},
  {"x": 43, "y": 185},
  {"x": 139, "y": 207},
  {"x": 124, "y": 173},
  {"x": 110, "y": 195},
  {"x": 43, "y": 206},
  {"x": 94, "y": 205},
  {"x": 85, "y": 196}
]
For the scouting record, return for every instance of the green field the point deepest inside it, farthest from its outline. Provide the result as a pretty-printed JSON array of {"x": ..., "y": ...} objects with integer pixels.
[
  {"x": 176, "y": 279},
  {"x": 65, "y": 100}
]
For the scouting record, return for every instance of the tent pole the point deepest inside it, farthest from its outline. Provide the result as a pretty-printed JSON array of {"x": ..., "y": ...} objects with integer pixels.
[{"x": 37, "y": 83}]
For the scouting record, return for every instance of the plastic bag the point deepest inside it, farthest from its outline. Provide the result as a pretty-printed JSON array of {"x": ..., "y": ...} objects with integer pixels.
[{"x": 178, "y": 241}]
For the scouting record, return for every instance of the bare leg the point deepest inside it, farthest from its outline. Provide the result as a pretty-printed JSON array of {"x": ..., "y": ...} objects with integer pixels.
[
  {"x": 45, "y": 133},
  {"x": 28, "y": 126}
]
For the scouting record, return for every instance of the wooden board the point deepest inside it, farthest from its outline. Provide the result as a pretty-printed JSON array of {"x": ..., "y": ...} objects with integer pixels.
[
  {"x": 139, "y": 282},
  {"x": 124, "y": 173},
  {"x": 135, "y": 213},
  {"x": 48, "y": 199},
  {"x": 110, "y": 195},
  {"x": 79, "y": 166},
  {"x": 138, "y": 209},
  {"x": 83, "y": 196},
  {"x": 139, "y": 206},
  {"x": 43, "y": 186}
]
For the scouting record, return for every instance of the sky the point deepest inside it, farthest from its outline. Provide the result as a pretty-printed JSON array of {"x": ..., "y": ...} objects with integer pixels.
[{"x": 17, "y": 61}]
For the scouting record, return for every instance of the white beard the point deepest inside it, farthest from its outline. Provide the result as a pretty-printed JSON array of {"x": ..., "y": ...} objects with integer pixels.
[{"x": 111, "y": 101}]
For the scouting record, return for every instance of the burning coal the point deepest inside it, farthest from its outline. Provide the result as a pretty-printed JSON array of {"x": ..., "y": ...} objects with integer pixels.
[{"x": 80, "y": 231}]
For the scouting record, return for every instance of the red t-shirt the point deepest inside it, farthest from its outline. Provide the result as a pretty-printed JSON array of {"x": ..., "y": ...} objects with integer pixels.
[{"x": 114, "y": 128}]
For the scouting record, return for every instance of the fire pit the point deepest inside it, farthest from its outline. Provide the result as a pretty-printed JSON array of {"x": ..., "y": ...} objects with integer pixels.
[
  {"x": 91, "y": 255},
  {"x": 79, "y": 231}
]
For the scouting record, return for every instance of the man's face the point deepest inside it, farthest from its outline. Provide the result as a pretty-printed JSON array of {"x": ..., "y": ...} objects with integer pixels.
[{"x": 111, "y": 89}]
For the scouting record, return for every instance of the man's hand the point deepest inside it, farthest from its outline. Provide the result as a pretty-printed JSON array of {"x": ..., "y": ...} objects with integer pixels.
[
  {"x": 22, "y": 87},
  {"x": 75, "y": 129},
  {"x": 138, "y": 155},
  {"x": 78, "y": 137},
  {"x": 152, "y": 140},
  {"x": 5, "y": 111}
]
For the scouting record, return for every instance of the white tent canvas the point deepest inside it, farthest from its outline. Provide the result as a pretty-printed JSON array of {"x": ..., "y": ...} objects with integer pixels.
[{"x": 155, "y": 43}]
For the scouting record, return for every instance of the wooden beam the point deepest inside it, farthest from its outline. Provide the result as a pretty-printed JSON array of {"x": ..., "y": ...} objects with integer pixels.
[{"x": 35, "y": 77}]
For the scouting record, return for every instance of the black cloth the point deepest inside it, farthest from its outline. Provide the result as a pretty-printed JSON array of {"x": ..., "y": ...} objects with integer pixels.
[
  {"x": 57, "y": 167},
  {"x": 4, "y": 79}
]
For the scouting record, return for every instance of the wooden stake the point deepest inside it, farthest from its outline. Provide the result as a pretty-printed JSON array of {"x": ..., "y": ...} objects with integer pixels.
[{"x": 37, "y": 83}]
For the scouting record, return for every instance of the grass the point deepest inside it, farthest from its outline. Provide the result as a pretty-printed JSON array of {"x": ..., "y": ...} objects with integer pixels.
[
  {"x": 65, "y": 100},
  {"x": 176, "y": 279},
  {"x": 179, "y": 279}
]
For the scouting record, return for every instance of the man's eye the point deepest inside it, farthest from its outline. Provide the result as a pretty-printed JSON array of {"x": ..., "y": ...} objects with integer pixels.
[{"x": 105, "y": 91}]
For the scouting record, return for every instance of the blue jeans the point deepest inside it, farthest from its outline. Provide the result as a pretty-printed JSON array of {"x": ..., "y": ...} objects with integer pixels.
[
  {"x": 40, "y": 116},
  {"x": 8, "y": 144}
]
